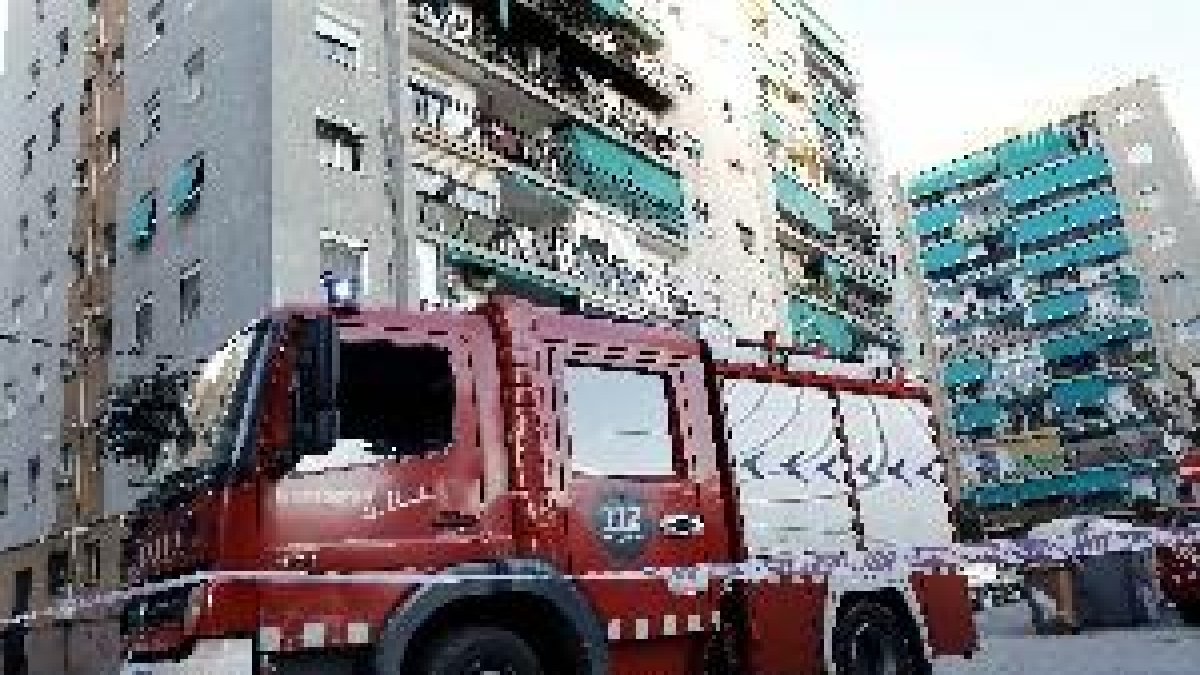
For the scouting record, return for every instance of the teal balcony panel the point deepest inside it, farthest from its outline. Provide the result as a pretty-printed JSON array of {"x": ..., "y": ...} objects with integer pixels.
[
  {"x": 141, "y": 220},
  {"x": 1128, "y": 290},
  {"x": 984, "y": 414},
  {"x": 1066, "y": 218},
  {"x": 1133, "y": 329},
  {"x": 936, "y": 219},
  {"x": 797, "y": 200},
  {"x": 1095, "y": 340},
  {"x": 773, "y": 126},
  {"x": 514, "y": 276},
  {"x": 827, "y": 116},
  {"x": 1031, "y": 150},
  {"x": 619, "y": 10},
  {"x": 930, "y": 182},
  {"x": 610, "y": 172},
  {"x": 1085, "y": 392},
  {"x": 185, "y": 187},
  {"x": 1105, "y": 479},
  {"x": 944, "y": 255},
  {"x": 1108, "y": 245},
  {"x": 960, "y": 373},
  {"x": 812, "y": 325},
  {"x": 1056, "y": 308},
  {"x": 1050, "y": 179}
]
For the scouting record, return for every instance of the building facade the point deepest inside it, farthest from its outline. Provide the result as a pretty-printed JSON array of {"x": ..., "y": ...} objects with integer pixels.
[
  {"x": 1057, "y": 271},
  {"x": 189, "y": 164}
]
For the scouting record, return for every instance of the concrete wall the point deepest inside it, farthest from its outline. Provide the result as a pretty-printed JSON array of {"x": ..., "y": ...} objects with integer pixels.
[{"x": 34, "y": 428}]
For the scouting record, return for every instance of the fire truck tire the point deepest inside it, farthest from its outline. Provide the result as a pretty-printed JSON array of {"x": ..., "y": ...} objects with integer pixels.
[
  {"x": 477, "y": 650},
  {"x": 872, "y": 639},
  {"x": 1189, "y": 612}
]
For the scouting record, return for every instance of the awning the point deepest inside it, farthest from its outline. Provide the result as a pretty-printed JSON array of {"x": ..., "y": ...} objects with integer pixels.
[
  {"x": 797, "y": 200},
  {"x": 1056, "y": 308},
  {"x": 141, "y": 219},
  {"x": 964, "y": 372}
]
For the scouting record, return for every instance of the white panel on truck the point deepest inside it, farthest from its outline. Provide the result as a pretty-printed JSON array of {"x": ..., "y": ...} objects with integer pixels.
[
  {"x": 789, "y": 468},
  {"x": 897, "y": 471}
]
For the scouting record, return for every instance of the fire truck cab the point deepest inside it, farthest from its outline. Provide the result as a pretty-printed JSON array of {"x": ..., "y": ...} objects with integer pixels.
[{"x": 520, "y": 490}]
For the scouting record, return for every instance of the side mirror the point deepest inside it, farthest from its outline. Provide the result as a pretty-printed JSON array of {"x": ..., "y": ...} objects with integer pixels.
[{"x": 314, "y": 395}]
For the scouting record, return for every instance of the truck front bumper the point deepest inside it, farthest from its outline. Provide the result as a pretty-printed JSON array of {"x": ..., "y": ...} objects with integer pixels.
[{"x": 231, "y": 657}]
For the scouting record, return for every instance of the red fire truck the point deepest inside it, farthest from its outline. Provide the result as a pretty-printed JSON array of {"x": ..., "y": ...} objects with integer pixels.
[
  {"x": 387, "y": 491},
  {"x": 1179, "y": 565}
]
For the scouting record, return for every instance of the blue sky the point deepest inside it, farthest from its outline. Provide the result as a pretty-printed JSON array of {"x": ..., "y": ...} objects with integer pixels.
[{"x": 935, "y": 72}]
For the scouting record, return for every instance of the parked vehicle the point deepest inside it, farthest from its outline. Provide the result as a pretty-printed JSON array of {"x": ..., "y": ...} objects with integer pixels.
[{"x": 386, "y": 491}]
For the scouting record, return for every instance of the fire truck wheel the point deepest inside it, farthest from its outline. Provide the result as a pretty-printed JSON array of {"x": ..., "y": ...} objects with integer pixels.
[
  {"x": 1190, "y": 612},
  {"x": 871, "y": 639},
  {"x": 481, "y": 650}
]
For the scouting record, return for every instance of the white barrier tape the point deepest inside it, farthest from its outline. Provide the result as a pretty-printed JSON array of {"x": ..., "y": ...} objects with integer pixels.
[{"x": 885, "y": 561}]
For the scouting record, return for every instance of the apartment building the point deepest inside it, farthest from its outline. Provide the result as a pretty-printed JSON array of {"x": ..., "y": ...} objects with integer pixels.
[
  {"x": 1058, "y": 274},
  {"x": 660, "y": 161}
]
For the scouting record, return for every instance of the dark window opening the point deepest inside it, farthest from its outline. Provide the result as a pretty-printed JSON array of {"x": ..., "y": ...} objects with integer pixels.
[
  {"x": 57, "y": 573},
  {"x": 399, "y": 400}
]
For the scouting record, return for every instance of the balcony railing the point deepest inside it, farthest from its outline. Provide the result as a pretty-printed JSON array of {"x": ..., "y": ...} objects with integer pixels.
[{"x": 552, "y": 254}]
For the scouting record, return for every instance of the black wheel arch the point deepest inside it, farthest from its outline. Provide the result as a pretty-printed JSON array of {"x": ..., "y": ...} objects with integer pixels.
[{"x": 532, "y": 588}]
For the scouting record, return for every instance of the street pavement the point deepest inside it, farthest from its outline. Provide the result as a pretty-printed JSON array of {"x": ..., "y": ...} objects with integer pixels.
[{"x": 1011, "y": 648}]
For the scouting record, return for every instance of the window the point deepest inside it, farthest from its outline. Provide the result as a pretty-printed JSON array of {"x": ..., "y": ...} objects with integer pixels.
[
  {"x": 34, "y": 468},
  {"x": 27, "y": 156},
  {"x": 1149, "y": 198},
  {"x": 368, "y": 394},
  {"x": 341, "y": 147},
  {"x": 344, "y": 258},
  {"x": 193, "y": 69},
  {"x": 46, "y": 281},
  {"x": 114, "y": 147},
  {"x": 190, "y": 294},
  {"x": 35, "y": 77},
  {"x": 617, "y": 422},
  {"x": 186, "y": 184},
  {"x": 88, "y": 96},
  {"x": 39, "y": 382},
  {"x": 3, "y": 492},
  {"x": 118, "y": 62},
  {"x": 22, "y": 585},
  {"x": 1142, "y": 153},
  {"x": 39, "y": 9},
  {"x": 23, "y": 230},
  {"x": 18, "y": 306},
  {"x": 158, "y": 24},
  {"x": 58, "y": 573},
  {"x": 91, "y": 559},
  {"x": 83, "y": 174},
  {"x": 153, "y": 111},
  {"x": 51, "y": 200},
  {"x": 338, "y": 41},
  {"x": 746, "y": 234},
  {"x": 143, "y": 322},
  {"x": 1128, "y": 115},
  {"x": 67, "y": 459},
  {"x": 64, "y": 45},
  {"x": 56, "y": 122}
]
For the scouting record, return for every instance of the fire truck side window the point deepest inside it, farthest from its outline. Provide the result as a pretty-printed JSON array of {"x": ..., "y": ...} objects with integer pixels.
[
  {"x": 618, "y": 422},
  {"x": 393, "y": 400}
]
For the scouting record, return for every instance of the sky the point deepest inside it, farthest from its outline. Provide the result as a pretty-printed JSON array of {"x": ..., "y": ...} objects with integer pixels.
[{"x": 937, "y": 73}]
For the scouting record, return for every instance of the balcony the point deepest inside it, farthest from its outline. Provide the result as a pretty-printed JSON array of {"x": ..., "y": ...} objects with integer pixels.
[
  {"x": 583, "y": 161},
  {"x": 551, "y": 49},
  {"x": 551, "y": 259}
]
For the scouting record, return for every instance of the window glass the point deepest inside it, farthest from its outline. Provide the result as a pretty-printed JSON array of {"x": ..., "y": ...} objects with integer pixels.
[
  {"x": 618, "y": 422},
  {"x": 393, "y": 401}
]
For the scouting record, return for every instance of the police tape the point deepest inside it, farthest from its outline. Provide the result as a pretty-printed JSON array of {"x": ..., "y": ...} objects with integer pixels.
[{"x": 891, "y": 561}]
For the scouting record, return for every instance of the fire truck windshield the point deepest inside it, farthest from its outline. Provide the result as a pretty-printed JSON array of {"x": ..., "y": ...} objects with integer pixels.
[{"x": 211, "y": 410}]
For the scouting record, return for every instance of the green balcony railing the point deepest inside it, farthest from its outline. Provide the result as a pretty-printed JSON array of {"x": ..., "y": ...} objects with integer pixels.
[{"x": 1056, "y": 308}]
